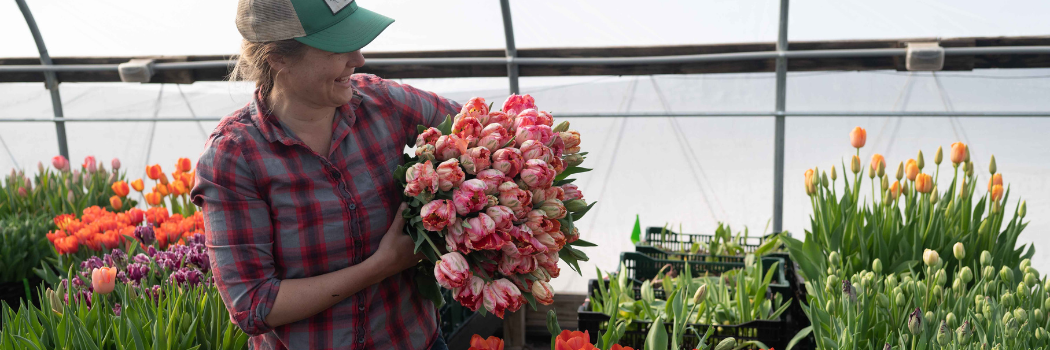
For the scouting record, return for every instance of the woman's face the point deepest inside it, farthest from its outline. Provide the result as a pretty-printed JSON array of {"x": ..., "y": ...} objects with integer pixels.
[{"x": 320, "y": 78}]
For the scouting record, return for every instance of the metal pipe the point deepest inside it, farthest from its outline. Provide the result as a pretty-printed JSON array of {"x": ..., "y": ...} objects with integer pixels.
[
  {"x": 466, "y": 61},
  {"x": 50, "y": 78},
  {"x": 938, "y": 114},
  {"x": 512, "y": 50},
  {"x": 778, "y": 132}
]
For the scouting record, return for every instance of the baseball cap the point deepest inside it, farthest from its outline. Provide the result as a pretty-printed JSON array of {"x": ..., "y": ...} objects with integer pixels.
[{"x": 329, "y": 25}]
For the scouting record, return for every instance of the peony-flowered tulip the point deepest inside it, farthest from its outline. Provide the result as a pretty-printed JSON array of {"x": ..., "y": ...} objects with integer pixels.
[
  {"x": 534, "y": 150},
  {"x": 537, "y": 174},
  {"x": 541, "y": 133},
  {"x": 60, "y": 163},
  {"x": 120, "y": 188},
  {"x": 469, "y": 129},
  {"x": 481, "y": 233},
  {"x": 420, "y": 178},
  {"x": 540, "y": 195},
  {"x": 471, "y": 295},
  {"x": 428, "y": 137},
  {"x": 453, "y": 271},
  {"x": 504, "y": 120},
  {"x": 492, "y": 178},
  {"x": 449, "y": 147},
  {"x": 90, "y": 165},
  {"x": 517, "y": 103},
  {"x": 545, "y": 118},
  {"x": 438, "y": 214},
  {"x": 138, "y": 185},
  {"x": 911, "y": 169},
  {"x": 450, "y": 175},
  {"x": 103, "y": 279},
  {"x": 474, "y": 107},
  {"x": 543, "y": 292},
  {"x": 469, "y": 197},
  {"x": 553, "y": 208},
  {"x": 456, "y": 237},
  {"x": 508, "y": 160},
  {"x": 493, "y": 137},
  {"x": 572, "y": 192},
  {"x": 858, "y": 137},
  {"x": 475, "y": 160},
  {"x": 959, "y": 153},
  {"x": 491, "y": 343},
  {"x": 502, "y": 216},
  {"x": 571, "y": 139},
  {"x": 502, "y": 295}
]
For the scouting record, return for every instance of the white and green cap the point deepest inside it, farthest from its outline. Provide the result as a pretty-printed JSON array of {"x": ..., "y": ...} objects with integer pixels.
[{"x": 329, "y": 25}]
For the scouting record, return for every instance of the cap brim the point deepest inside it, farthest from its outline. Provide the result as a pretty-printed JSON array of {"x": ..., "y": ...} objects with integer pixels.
[{"x": 350, "y": 34}]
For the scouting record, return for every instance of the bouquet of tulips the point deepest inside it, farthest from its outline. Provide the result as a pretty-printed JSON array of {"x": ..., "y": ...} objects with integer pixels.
[{"x": 491, "y": 205}]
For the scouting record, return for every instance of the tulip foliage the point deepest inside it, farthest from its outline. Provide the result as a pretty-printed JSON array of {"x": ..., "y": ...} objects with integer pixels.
[
  {"x": 491, "y": 204},
  {"x": 22, "y": 245},
  {"x": 61, "y": 190}
]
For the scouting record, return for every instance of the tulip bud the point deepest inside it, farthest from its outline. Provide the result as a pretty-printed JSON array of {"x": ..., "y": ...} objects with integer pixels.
[
  {"x": 891, "y": 281},
  {"x": 931, "y": 258},
  {"x": 834, "y": 176},
  {"x": 920, "y": 287},
  {"x": 995, "y": 207},
  {"x": 1023, "y": 209},
  {"x": 1046, "y": 285},
  {"x": 937, "y": 292},
  {"x": 919, "y": 161},
  {"x": 969, "y": 169},
  {"x": 900, "y": 299},
  {"x": 576, "y": 205},
  {"x": 830, "y": 307},
  {"x": 1007, "y": 275},
  {"x": 915, "y": 322},
  {"x": 963, "y": 333},
  {"x": 985, "y": 226},
  {"x": 957, "y": 285},
  {"x": 561, "y": 127},
  {"x": 991, "y": 165},
  {"x": 937, "y": 158},
  {"x": 700, "y": 293},
  {"x": 904, "y": 188},
  {"x": 885, "y": 184},
  {"x": 1025, "y": 263},
  {"x": 986, "y": 258},
  {"x": 824, "y": 180},
  {"x": 943, "y": 335},
  {"x": 855, "y": 164},
  {"x": 1030, "y": 280},
  {"x": 884, "y": 301},
  {"x": 876, "y": 265},
  {"x": 882, "y": 169},
  {"x": 726, "y": 344},
  {"x": 833, "y": 258},
  {"x": 1039, "y": 315},
  {"x": 1022, "y": 290},
  {"x": 871, "y": 172},
  {"x": 115, "y": 164},
  {"x": 40, "y": 167},
  {"x": 70, "y": 197},
  {"x": 833, "y": 280},
  {"x": 950, "y": 319},
  {"x": 959, "y": 251},
  {"x": 1046, "y": 304},
  {"x": 900, "y": 171},
  {"x": 573, "y": 159},
  {"x": 989, "y": 273},
  {"x": 966, "y": 274},
  {"x": 1040, "y": 333},
  {"x": 1007, "y": 300},
  {"x": 1020, "y": 315}
]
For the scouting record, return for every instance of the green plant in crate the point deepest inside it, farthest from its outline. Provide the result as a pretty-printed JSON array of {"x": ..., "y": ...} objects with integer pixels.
[{"x": 22, "y": 245}]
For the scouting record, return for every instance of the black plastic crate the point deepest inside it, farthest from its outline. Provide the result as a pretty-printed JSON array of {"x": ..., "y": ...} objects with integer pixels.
[
  {"x": 452, "y": 315},
  {"x": 642, "y": 267},
  {"x": 669, "y": 241}
]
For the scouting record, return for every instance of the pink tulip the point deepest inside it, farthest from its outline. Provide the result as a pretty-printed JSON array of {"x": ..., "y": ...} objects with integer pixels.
[
  {"x": 502, "y": 295},
  {"x": 469, "y": 129},
  {"x": 475, "y": 160},
  {"x": 103, "y": 279},
  {"x": 450, "y": 175},
  {"x": 90, "y": 164},
  {"x": 475, "y": 107},
  {"x": 514, "y": 262},
  {"x": 115, "y": 164},
  {"x": 469, "y": 197},
  {"x": 549, "y": 262},
  {"x": 492, "y": 178},
  {"x": 428, "y": 137},
  {"x": 557, "y": 146},
  {"x": 493, "y": 137},
  {"x": 453, "y": 271},
  {"x": 558, "y": 165},
  {"x": 545, "y": 118},
  {"x": 537, "y": 174},
  {"x": 546, "y": 240},
  {"x": 508, "y": 160},
  {"x": 534, "y": 220},
  {"x": 572, "y": 236},
  {"x": 449, "y": 147},
  {"x": 518, "y": 200},
  {"x": 541, "y": 133},
  {"x": 571, "y": 139},
  {"x": 572, "y": 192},
  {"x": 22, "y": 192},
  {"x": 497, "y": 117},
  {"x": 541, "y": 195},
  {"x": 426, "y": 152},
  {"x": 421, "y": 177},
  {"x": 532, "y": 149},
  {"x": 60, "y": 163},
  {"x": 456, "y": 238},
  {"x": 438, "y": 214},
  {"x": 554, "y": 208},
  {"x": 492, "y": 201},
  {"x": 517, "y": 103},
  {"x": 524, "y": 239},
  {"x": 502, "y": 216},
  {"x": 543, "y": 292},
  {"x": 481, "y": 234},
  {"x": 526, "y": 118},
  {"x": 472, "y": 294}
]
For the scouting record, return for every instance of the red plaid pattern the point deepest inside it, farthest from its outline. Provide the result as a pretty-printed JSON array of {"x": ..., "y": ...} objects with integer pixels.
[{"x": 274, "y": 209}]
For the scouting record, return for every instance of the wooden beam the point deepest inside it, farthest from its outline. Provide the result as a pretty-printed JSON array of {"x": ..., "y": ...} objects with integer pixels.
[{"x": 955, "y": 63}]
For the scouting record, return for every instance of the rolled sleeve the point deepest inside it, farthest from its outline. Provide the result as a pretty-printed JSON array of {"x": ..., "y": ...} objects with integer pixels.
[
  {"x": 420, "y": 107},
  {"x": 238, "y": 232}
]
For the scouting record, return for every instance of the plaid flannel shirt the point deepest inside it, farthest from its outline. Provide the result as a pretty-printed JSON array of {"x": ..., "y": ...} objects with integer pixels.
[{"x": 274, "y": 209}]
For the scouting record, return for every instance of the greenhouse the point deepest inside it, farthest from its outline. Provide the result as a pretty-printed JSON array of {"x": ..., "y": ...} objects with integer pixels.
[{"x": 821, "y": 176}]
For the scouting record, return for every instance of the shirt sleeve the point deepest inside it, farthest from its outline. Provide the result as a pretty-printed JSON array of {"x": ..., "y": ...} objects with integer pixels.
[
  {"x": 238, "y": 233},
  {"x": 420, "y": 107}
]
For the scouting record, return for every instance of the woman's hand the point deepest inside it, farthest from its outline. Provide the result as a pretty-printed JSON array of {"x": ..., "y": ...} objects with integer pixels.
[{"x": 396, "y": 250}]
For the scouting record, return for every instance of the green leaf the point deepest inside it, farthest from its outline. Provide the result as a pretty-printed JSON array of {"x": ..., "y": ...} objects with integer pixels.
[
  {"x": 582, "y": 243},
  {"x": 579, "y": 215},
  {"x": 571, "y": 171},
  {"x": 446, "y": 126},
  {"x": 636, "y": 233},
  {"x": 657, "y": 338}
]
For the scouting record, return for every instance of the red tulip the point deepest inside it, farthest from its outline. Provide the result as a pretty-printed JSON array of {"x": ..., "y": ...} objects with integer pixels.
[
  {"x": 183, "y": 165},
  {"x": 154, "y": 172},
  {"x": 492, "y": 343}
]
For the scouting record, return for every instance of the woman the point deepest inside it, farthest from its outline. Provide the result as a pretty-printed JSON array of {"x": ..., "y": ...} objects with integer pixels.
[{"x": 301, "y": 211}]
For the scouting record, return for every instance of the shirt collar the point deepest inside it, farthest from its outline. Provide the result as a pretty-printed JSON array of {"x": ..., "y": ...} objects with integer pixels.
[{"x": 273, "y": 130}]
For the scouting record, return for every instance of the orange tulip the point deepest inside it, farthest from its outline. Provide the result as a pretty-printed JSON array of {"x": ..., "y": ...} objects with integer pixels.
[
  {"x": 183, "y": 165},
  {"x": 924, "y": 183},
  {"x": 179, "y": 188},
  {"x": 138, "y": 185},
  {"x": 162, "y": 189},
  {"x": 858, "y": 137},
  {"x": 996, "y": 179},
  {"x": 573, "y": 340},
  {"x": 153, "y": 198},
  {"x": 911, "y": 169},
  {"x": 163, "y": 179},
  {"x": 115, "y": 202},
  {"x": 103, "y": 279},
  {"x": 120, "y": 188},
  {"x": 492, "y": 343},
  {"x": 63, "y": 221},
  {"x": 997, "y": 193},
  {"x": 618, "y": 347},
  {"x": 958, "y": 152},
  {"x": 154, "y": 172},
  {"x": 67, "y": 245},
  {"x": 877, "y": 159},
  {"x": 810, "y": 187},
  {"x": 188, "y": 179},
  {"x": 895, "y": 190}
]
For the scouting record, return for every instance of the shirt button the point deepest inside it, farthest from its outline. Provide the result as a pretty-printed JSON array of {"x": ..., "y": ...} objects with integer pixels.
[
  {"x": 353, "y": 206},
  {"x": 361, "y": 339},
  {"x": 362, "y": 308}
]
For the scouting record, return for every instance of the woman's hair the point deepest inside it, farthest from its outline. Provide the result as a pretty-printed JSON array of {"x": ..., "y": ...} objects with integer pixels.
[{"x": 254, "y": 64}]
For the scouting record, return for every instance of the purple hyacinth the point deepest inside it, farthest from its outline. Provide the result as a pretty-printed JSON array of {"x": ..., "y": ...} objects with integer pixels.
[
  {"x": 145, "y": 234},
  {"x": 141, "y": 258}
]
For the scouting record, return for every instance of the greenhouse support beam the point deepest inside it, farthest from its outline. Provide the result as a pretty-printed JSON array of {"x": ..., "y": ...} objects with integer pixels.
[
  {"x": 512, "y": 51},
  {"x": 778, "y": 138},
  {"x": 50, "y": 78}
]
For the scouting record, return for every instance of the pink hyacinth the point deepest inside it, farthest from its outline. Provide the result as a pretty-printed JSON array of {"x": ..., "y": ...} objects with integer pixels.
[
  {"x": 469, "y": 129},
  {"x": 508, "y": 160},
  {"x": 472, "y": 294},
  {"x": 453, "y": 271},
  {"x": 475, "y": 107},
  {"x": 492, "y": 178},
  {"x": 493, "y": 137},
  {"x": 475, "y": 160},
  {"x": 481, "y": 233},
  {"x": 502, "y": 295},
  {"x": 449, "y": 147},
  {"x": 537, "y": 174},
  {"x": 450, "y": 175},
  {"x": 438, "y": 214},
  {"x": 517, "y": 103},
  {"x": 533, "y": 149},
  {"x": 428, "y": 137},
  {"x": 572, "y": 192},
  {"x": 541, "y": 133},
  {"x": 497, "y": 117},
  {"x": 502, "y": 216},
  {"x": 469, "y": 197},
  {"x": 421, "y": 177}
]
